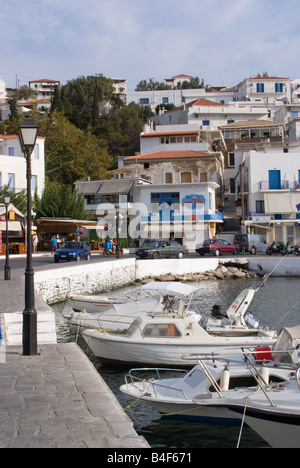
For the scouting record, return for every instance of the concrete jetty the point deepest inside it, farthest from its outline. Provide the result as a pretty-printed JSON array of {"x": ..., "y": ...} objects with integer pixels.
[{"x": 56, "y": 399}]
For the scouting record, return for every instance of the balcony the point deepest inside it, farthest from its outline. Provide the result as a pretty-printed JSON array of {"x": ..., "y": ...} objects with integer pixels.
[
  {"x": 172, "y": 217},
  {"x": 282, "y": 185}
]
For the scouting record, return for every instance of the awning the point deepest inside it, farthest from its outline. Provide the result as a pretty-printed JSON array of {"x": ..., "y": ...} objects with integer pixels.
[
  {"x": 281, "y": 202},
  {"x": 13, "y": 226},
  {"x": 119, "y": 186},
  {"x": 88, "y": 188}
]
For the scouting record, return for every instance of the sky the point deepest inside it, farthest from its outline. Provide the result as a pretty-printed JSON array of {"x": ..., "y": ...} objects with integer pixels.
[{"x": 221, "y": 41}]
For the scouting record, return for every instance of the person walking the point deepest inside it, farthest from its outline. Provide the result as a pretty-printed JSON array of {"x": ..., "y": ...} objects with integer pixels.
[{"x": 53, "y": 244}]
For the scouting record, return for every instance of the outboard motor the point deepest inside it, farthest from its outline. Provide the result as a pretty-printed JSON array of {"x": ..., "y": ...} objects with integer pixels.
[{"x": 216, "y": 312}]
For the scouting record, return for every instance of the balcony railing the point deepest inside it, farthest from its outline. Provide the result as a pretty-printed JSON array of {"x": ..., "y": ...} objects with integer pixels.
[{"x": 265, "y": 185}]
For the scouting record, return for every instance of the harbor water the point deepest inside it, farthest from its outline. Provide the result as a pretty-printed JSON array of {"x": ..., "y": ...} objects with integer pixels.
[{"x": 276, "y": 305}]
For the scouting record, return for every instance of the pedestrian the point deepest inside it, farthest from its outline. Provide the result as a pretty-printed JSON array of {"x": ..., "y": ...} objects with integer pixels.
[
  {"x": 53, "y": 243},
  {"x": 35, "y": 242}
]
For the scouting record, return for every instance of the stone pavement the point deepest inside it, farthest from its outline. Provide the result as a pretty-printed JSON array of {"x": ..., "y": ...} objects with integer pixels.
[{"x": 58, "y": 400}]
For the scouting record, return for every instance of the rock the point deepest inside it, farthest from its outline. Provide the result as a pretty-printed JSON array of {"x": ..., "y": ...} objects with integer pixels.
[
  {"x": 219, "y": 274},
  {"x": 239, "y": 274}
]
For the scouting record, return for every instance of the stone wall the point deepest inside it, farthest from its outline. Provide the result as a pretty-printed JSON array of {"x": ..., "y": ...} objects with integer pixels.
[{"x": 91, "y": 278}]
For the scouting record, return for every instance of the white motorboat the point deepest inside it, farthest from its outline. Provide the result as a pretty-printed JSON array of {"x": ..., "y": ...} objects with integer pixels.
[
  {"x": 261, "y": 381},
  {"x": 150, "y": 297},
  {"x": 91, "y": 304},
  {"x": 161, "y": 338},
  {"x": 95, "y": 304}
]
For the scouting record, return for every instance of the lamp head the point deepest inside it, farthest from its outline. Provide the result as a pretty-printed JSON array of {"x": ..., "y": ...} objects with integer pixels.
[
  {"x": 6, "y": 199},
  {"x": 27, "y": 135}
]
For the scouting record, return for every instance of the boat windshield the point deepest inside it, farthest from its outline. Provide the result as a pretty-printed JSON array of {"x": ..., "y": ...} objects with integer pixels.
[
  {"x": 161, "y": 330},
  {"x": 131, "y": 329}
]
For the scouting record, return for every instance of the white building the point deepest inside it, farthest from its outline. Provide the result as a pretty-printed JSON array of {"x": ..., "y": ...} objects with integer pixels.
[
  {"x": 3, "y": 95},
  {"x": 44, "y": 88},
  {"x": 269, "y": 177},
  {"x": 211, "y": 115},
  {"x": 264, "y": 90},
  {"x": 13, "y": 164},
  {"x": 178, "y": 97}
]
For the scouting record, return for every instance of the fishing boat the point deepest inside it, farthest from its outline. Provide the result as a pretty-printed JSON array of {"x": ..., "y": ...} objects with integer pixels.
[
  {"x": 160, "y": 338},
  {"x": 96, "y": 304},
  {"x": 91, "y": 304},
  {"x": 262, "y": 382}
]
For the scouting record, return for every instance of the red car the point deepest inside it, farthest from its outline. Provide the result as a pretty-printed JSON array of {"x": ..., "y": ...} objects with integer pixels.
[{"x": 217, "y": 247}]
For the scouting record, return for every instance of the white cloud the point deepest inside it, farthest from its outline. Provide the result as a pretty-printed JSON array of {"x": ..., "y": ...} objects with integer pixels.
[{"x": 220, "y": 41}]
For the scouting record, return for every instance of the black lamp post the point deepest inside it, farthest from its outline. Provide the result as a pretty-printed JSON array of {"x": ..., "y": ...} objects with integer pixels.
[
  {"x": 117, "y": 229},
  {"x": 6, "y": 200},
  {"x": 27, "y": 138}
]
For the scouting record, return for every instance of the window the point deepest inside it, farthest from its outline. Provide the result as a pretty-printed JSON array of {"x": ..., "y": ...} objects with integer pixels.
[
  {"x": 144, "y": 101},
  {"x": 34, "y": 183},
  {"x": 203, "y": 177},
  {"x": 168, "y": 178},
  {"x": 231, "y": 159},
  {"x": 260, "y": 206},
  {"x": 11, "y": 181},
  {"x": 165, "y": 100},
  {"x": 11, "y": 151},
  {"x": 278, "y": 87},
  {"x": 146, "y": 165},
  {"x": 161, "y": 331},
  {"x": 186, "y": 177},
  {"x": 260, "y": 87},
  {"x": 36, "y": 152},
  {"x": 206, "y": 122}
]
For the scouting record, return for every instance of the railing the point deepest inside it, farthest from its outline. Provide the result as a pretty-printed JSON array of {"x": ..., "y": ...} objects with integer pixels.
[
  {"x": 265, "y": 185},
  {"x": 135, "y": 380}
]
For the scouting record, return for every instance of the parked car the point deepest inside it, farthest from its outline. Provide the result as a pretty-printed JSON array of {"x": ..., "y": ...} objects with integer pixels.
[
  {"x": 161, "y": 249},
  {"x": 72, "y": 251},
  {"x": 217, "y": 247},
  {"x": 250, "y": 243}
]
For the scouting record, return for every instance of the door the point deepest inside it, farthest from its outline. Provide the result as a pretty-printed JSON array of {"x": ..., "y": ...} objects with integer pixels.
[{"x": 274, "y": 180}]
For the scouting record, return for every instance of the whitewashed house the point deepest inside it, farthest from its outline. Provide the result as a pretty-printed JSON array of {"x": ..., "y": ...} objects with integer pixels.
[
  {"x": 269, "y": 179},
  {"x": 186, "y": 179},
  {"x": 210, "y": 115},
  {"x": 13, "y": 164},
  {"x": 264, "y": 90}
]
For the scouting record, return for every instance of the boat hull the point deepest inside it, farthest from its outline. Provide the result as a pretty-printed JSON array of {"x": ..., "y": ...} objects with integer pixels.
[{"x": 122, "y": 352}]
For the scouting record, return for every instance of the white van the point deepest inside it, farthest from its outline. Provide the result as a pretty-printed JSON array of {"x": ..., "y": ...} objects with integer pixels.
[{"x": 251, "y": 243}]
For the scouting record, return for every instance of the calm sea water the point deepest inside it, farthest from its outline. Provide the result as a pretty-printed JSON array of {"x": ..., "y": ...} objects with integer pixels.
[{"x": 276, "y": 305}]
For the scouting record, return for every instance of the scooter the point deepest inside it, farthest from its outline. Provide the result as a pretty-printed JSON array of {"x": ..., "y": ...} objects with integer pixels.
[
  {"x": 294, "y": 250},
  {"x": 275, "y": 249},
  {"x": 107, "y": 252}
]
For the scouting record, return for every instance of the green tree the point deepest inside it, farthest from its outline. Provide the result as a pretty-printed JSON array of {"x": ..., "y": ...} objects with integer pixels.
[
  {"x": 72, "y": 154},
  {"x": 19, "y": 200},
  {"x": 85, "y": 95},
  {"x": 125, "y": 126},
  {"x": 59, "y": 201}
]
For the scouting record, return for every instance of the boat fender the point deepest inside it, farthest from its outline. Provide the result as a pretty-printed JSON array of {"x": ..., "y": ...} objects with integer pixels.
[
  {"x": 263, "y": 375},
  {"x": 298, "y": 377},
  {"x": 225, "y": 379}
]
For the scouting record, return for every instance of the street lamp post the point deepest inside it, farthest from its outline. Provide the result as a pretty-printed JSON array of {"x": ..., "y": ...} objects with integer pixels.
[
  {"x": 117, "y": 229},
  {"x": 6, "y": 200},
  {"x": 27, "y": 138}
]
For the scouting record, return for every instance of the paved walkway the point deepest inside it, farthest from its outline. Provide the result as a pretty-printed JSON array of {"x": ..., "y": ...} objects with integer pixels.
[{"x": 56, "y": 399}]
